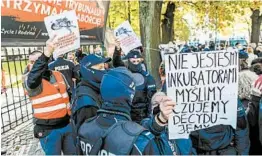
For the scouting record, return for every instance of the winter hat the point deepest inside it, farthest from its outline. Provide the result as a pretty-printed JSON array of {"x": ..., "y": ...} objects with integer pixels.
[
  {"x": 135, "y": 53},
  {"x": 118, "y": 90},
  {"x": 93, "y": 59}
]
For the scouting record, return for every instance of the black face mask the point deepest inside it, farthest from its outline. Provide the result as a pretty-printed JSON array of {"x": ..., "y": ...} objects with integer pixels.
[
  {"x": 136, "y": 68},
  {"x": 98, "y": 75},
  {"x": 92, "y": 76}
]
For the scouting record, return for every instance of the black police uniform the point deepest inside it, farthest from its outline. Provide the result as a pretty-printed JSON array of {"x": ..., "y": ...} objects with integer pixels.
[
  {"x": 112, "y": 132},
  {"x": 145, "y": 86},
  {"x": 66, "y": 68},
  {"x": 87, "y": 99}
]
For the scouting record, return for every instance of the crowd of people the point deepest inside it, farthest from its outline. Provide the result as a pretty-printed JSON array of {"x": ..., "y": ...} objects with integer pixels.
[{"x": 94, "y": 105}]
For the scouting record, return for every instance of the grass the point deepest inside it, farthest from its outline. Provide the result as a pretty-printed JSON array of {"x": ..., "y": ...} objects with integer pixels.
[{"x": 15, "y": 67}]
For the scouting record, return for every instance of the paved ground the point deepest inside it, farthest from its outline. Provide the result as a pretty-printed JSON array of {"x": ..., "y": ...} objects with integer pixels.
[{"x": 21, "y": 141}]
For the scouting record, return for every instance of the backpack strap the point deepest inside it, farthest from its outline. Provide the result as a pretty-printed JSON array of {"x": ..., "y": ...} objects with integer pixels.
[{"x": 100, "y": 142}]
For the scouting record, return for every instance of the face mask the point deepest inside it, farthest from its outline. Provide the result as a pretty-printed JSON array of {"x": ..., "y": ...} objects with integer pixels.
[
  {"x": 98, "y": 75},
  {"x": 92, "y": 76},
  {"x": 136, "y": 68}
]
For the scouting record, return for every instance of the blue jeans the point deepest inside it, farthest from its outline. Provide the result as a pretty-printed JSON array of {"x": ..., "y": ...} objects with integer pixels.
[{"x": 59, "y": 140}]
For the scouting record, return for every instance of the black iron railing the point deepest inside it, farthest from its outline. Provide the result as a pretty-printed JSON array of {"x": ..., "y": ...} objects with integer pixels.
[{"x": 15, "y": 105}]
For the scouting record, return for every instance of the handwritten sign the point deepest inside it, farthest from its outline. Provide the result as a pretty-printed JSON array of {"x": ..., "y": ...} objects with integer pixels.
[
  {"x": 204, "y": 86},
  {"x": 127, "y": 37},
  {"x": 65, "y": 26}
]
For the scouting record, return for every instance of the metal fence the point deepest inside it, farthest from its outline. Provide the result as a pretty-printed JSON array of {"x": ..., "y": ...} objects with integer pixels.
[{"x": 15, "y": 105}]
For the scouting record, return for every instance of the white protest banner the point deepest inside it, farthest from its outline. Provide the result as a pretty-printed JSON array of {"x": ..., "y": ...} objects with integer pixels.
[
  {"x": 205, "y": 87},
  {"x": 65, "y": 26},
  {"x": 127, "y": 37}
]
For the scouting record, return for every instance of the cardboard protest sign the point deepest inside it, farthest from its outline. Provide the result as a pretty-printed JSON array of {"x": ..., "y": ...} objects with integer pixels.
[
  {"x": 23, "y": 20},
  {"x": 205, "y": 88},
  {"x": 127, "y": 37},
  {"x": 65, "y": 27},
  {"x": 169, "y": 48}
]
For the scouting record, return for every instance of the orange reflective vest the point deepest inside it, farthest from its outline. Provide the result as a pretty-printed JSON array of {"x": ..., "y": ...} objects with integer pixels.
[{"x": 53, "y": 101}]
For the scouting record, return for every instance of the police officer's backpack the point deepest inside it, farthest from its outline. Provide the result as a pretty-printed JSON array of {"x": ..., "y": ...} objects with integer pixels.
[
  {"x": 118, "y": 139},
  {"x": 83, "y": 89}
]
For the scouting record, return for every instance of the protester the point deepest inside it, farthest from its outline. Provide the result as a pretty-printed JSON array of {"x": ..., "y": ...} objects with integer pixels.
[
  {"x": 98, "y": 51},
  {"x": 71, "y": 57},
  {"x": 212, "y": 46},
  {"x": 259, "y": 51},
  {"x": 145, "y": 83},
  {"x": 67, "y": 68},
  {"x": 256, "y": 66},
  {"x": 185, "y": 49},
  {"x": 251, "y": 55},
  {"x": 254, "y": 114},
  {"x": 223, "y": 139},
  {"x": 253, "y": 46},
  {"x": 222, "y": 46},
  {"x": 238, "y": 46},
  {"x": 205, "y": 48},
  {"x": 246, "y": 80},
  {"x": 50, "y": 96},
  {"x": 87, "y": 100},
  {"x": 168, "y": 146},
  {"x": 162, "y": 73},
  {"x": 79, "y": 55},
  {"x": 112, "y": 132}
]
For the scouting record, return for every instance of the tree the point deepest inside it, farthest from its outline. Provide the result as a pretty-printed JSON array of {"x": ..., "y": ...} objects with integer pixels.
[
  {"x": 256, "y": 19},
  {"x": 121, "y": 11},
  {"x": 168, "y": 23},
  {"x": 222, "y": 14},
  {"x": 150, "y": 15}
]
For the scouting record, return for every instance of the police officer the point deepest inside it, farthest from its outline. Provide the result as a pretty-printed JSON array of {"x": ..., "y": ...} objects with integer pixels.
[
  {"x": 145, "y": 83},
  {"x": 223, "y": 139},
  {"x": 47, "y": 91},
  {"x": 87, "y": 99},
  {"x": 112, "y": 132},
  {"x": 67, "y": 68},
  {"x": 79, "y": 55}
]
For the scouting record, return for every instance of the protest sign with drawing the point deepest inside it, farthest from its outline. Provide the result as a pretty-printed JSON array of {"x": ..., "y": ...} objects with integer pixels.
[
  {"x": 205, "y": 88},
  {"x": 169, "y": 48},
  {"x": 127, "y": 37},
  {"x": 65, "y": 27}
]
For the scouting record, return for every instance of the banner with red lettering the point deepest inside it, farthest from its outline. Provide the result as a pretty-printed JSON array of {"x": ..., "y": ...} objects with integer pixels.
[{"x": 23, "y": 20}]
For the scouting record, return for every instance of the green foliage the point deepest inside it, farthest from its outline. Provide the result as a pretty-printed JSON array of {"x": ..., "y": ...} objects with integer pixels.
[
  {"x": 215, "y": 15},
  {"x": 118, "y": 13}
]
